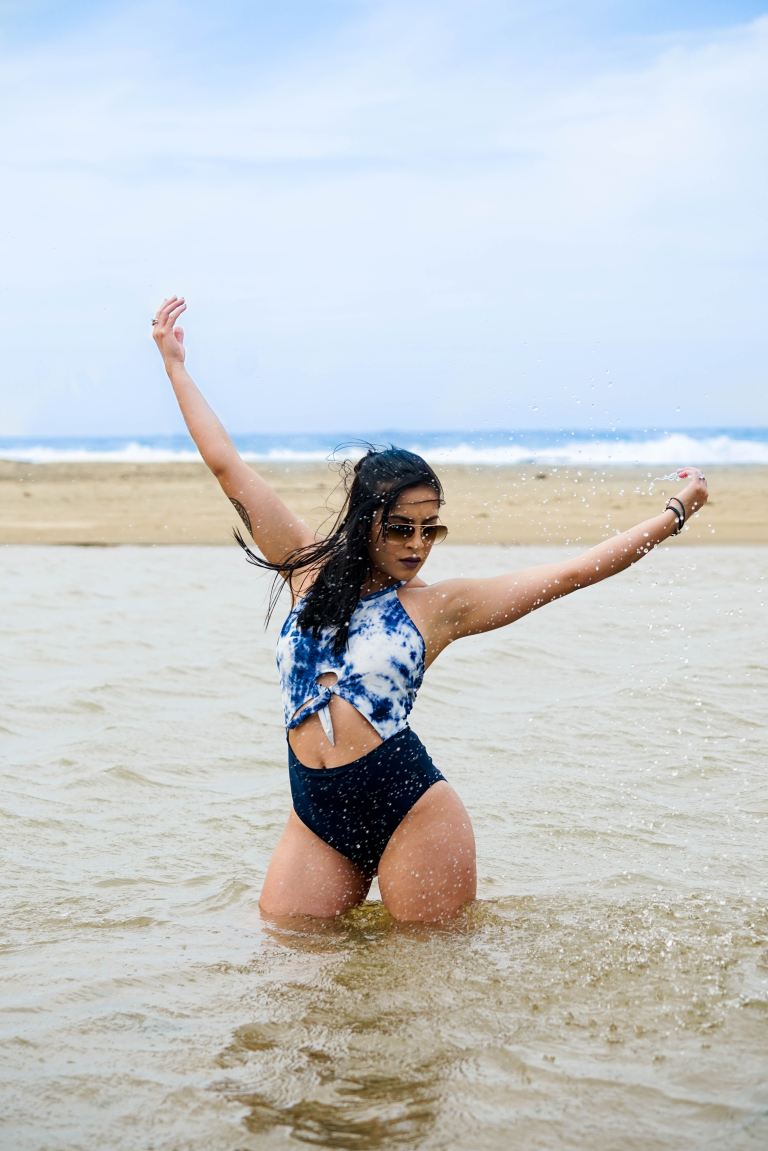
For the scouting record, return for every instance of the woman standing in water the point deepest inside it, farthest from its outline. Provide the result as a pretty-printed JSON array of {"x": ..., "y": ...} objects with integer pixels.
[{"x": 363, "y": 628}]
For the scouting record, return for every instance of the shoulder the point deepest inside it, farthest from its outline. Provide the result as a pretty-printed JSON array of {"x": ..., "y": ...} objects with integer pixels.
[
  {"x": 432, "y": 609},
  {"x": 433, "y": 593}
]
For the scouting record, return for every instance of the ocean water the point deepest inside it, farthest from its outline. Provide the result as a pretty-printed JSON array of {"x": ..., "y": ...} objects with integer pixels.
[
  {"x": 605, "y": 447},
  {"x": 608, "y": 990}
]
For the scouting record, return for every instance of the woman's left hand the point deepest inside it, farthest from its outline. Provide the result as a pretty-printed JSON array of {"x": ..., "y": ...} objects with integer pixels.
[{"x": 694, "y": 495}]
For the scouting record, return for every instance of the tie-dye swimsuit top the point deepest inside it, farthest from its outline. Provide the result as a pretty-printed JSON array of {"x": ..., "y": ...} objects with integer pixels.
[{"x": 379, "y": 671}]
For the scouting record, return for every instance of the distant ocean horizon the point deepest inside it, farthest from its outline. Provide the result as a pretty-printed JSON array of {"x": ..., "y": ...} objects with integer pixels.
[{"x": 566, "y": 447}]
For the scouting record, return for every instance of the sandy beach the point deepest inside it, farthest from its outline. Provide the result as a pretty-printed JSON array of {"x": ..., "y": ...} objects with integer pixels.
[{"x": 181, "y": 503}]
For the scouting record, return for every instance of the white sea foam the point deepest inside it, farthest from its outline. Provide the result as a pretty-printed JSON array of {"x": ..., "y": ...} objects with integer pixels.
[
  {"x": 492, "y": 448},
  {"x": 677, "y": 448},
  {"x": 129, "y": 453}
]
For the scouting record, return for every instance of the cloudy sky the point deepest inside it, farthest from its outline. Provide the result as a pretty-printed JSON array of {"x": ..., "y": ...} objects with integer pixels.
[{"x": 385, "y": 213}]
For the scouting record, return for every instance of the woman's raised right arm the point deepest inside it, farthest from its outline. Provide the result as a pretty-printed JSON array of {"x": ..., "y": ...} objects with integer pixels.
[{"x": 274, "y": 528}]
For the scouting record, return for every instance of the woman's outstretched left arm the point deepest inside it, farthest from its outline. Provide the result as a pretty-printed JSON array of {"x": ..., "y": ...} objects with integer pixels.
[{"x": 477, "y": 605}]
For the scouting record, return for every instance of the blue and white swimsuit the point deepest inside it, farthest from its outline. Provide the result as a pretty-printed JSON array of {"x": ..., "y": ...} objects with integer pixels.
[
  {"x": 379, "y": 671},
  {"x": 355, "y": 808}
]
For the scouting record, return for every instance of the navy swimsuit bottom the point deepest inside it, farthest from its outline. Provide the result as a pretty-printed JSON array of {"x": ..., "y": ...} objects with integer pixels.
[{"x": 356, "y": 807}]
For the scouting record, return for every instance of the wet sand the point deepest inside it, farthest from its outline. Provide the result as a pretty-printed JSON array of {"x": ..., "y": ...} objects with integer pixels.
[{"x": 181, "y": 503}]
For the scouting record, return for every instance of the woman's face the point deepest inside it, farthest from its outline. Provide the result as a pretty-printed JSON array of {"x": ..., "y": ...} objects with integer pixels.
[{"x": 394, "y": 556}]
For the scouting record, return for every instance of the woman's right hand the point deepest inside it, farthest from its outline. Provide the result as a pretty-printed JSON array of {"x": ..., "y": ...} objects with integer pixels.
[
  {"x": 694, "y": 495},
  {"x": 169, "y": 339}
]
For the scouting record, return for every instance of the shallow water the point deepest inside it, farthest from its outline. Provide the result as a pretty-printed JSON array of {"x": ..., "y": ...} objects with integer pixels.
[{"x": 608, "y": 990}]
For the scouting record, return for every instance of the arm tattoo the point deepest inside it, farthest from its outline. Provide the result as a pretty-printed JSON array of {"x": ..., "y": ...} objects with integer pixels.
[{"x": 243, "y": 514}]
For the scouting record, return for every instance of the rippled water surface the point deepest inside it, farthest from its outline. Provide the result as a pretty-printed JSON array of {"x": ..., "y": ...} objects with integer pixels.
[{"x": 609, "y": 989}]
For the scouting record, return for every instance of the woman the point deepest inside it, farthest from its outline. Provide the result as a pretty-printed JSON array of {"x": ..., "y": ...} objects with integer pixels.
[{"x": 362, "y": 630}]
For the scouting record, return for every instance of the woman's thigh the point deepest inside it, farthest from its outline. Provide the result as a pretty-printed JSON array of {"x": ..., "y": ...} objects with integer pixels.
[
  {"x": 306, "y": 876},
  {"x": 428, "y": 870}
]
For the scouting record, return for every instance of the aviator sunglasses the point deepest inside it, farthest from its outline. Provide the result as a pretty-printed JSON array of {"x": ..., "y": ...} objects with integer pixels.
[{"x": 430, "y": 533}]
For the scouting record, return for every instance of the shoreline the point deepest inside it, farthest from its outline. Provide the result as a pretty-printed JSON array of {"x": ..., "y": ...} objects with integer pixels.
[{"x": 107, "y": 504}]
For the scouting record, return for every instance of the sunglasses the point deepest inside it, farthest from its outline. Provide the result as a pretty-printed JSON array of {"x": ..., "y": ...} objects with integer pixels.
[{"x": 430, "y": 533}]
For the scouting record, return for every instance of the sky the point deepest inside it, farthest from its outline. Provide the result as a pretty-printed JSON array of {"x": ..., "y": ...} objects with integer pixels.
[{"x": 411, "y": 214}]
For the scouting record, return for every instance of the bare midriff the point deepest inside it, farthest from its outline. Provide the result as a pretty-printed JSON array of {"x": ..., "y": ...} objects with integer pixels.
[{"x": 353, "y": 734}]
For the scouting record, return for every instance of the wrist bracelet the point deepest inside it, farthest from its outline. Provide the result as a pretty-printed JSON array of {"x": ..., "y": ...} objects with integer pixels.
[
  {"x": 679, "y": 513},
  {"x": 681, "y": 506}
]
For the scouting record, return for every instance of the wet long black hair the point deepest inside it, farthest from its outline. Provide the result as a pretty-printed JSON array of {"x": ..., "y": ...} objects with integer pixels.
[{"x": 342, "y": 557}]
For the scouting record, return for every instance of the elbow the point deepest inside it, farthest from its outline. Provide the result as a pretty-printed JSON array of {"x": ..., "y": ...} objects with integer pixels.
[
  {"x": 220, "y": 463},
  {"x": 579, "y": 576}
]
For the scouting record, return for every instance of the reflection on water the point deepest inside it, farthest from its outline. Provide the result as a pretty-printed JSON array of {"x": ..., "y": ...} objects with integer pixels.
[
  {"x": 378, "y": 1111},
  {"x": 363, "y": 1033},
  {"x": 357, "y": 1060}
]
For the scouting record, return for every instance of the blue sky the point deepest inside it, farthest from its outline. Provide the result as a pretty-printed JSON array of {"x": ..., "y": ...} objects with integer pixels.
[{"x": 419, "y": 214}]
